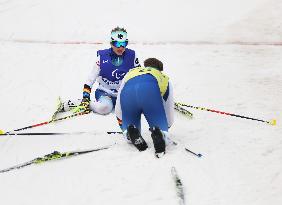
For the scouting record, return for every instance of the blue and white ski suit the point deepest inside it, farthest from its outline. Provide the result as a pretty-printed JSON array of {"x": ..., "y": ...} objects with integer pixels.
[{"x": 108, "y": 72}]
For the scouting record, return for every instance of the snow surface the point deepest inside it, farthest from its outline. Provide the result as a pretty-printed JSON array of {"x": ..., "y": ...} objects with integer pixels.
[{"x": 242, "y": 159}]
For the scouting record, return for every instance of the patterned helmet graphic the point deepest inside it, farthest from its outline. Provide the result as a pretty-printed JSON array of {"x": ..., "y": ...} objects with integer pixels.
[{"x": 119, "y": 34}]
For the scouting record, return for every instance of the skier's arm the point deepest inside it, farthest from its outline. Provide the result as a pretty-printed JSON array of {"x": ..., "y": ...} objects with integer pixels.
[
  {"x": 91, "y": 79},
  {"x": 169, "y": 106},
  {"x": 118, "y": 110},
  {"x": 85, "y": 102}
]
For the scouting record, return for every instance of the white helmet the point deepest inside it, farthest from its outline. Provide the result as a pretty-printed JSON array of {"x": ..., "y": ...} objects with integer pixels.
[{"x": 119, "y": 34}]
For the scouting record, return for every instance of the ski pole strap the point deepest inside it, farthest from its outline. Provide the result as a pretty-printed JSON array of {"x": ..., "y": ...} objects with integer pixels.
[{"x": 271, "y": 122}]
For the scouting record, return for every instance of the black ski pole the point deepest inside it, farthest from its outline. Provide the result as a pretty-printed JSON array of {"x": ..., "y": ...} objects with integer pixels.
[
  {"x": 57, "y": 133},
  {"x": 198, "y": 155}
]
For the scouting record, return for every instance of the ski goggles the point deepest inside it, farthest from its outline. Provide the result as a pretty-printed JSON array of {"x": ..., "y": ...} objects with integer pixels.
[{"x": 119, "y": 44}]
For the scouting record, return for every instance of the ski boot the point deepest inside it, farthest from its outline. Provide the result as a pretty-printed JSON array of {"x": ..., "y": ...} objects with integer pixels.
[
  {"x": 69, "y": 105},
  {"x": 135, "y": 137},
  {"x": 158, "y": 140}
]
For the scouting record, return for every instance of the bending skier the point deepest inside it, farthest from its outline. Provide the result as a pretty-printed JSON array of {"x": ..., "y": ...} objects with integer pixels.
[{"x": 146, "y": 90}]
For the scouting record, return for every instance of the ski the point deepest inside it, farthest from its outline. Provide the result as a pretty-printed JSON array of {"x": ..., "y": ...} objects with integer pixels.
[
  {"x": 182, "y": 110},
  {"x": 58, "y": 133},
  {"x": 178, "y": 186},
  {"x": 54, "y": 156},
  {"x": 59, "y": 108}
]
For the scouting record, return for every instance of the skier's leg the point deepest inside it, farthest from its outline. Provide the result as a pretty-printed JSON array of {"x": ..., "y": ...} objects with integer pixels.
[
  {"x": 103, "y": 106},
  {"x": 133, "y": 134},
  {"x": 152, "y": 106},
  {"x": 131, "y": 117},
  {"x": 104, "y": 103},
  {"x": 131, "y": 113},
  {"x": 158, "y": 141},
  {"x": 153, "y": 110}
]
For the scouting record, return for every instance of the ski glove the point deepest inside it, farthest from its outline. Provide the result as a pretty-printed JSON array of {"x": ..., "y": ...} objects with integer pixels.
[
  {"x": 86, "y": 91},
  {"x": 84, "y": 106}
]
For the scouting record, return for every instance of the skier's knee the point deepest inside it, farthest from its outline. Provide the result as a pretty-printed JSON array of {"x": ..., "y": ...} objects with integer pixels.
[
  {"x": 105, "y": 109},
  {"x": 103, "y": 106}
]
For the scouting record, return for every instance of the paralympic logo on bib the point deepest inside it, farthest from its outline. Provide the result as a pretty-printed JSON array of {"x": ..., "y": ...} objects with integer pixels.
[{"x": 118, "y": 74}]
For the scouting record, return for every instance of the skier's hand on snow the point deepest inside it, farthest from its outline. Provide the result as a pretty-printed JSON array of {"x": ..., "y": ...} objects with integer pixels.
[{"x": 84, "y": 106}]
